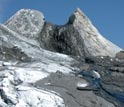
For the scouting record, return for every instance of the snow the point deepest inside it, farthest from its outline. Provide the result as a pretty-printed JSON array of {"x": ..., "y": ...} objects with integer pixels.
[
  {"x": 7, "y": 64},
  {"x": 96, "y": 74},
  {"x": 24, "y": 23},
  {"x": 94, "y": 42},
  {"x": 17, "y": 80},
  {"x": 47, "y": 83},
  {"x": 82, "y": 84},
  {"x": 2, "y": 103},
  {"x": 17, "y": 84},
  {"x": 47, "y": 98},
  {"x": 31, "y": 47},
  {"x": 29, "y": 75}
]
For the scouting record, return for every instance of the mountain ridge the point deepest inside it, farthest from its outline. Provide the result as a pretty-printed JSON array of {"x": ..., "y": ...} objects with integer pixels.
[{"x": 92, "y": 42}]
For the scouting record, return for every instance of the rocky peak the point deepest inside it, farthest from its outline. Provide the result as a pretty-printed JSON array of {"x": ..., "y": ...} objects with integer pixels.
[
  {"x": 78, "y": 18},
  {"x": 94, "y": 42},
  {"x": 76, "y": 37},
  {"x": 77, "y": 14},
  {"x": 26, "y": 22}
]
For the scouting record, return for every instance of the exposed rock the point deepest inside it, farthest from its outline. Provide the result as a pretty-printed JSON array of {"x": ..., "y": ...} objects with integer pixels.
[
  {"x": 120, "y": 55},
  {"x": 66, "y": 86},
  {"x": 78, "y": 37},
  {"x": 62, "y": 39},
  {"x": 13, "y": 53},
  {"x": 94, "y": 42},
  {"x": 17, "y": 89},
  {"x": 26, "y": 22},
  {"x": 8, "y": 99}
]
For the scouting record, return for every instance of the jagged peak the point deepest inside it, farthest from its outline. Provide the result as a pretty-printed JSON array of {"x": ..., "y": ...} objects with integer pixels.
[
  {"x": 94, "y": 42},
  {"x": 78, "y": 11},
  {"x": 79, "y": 16}
]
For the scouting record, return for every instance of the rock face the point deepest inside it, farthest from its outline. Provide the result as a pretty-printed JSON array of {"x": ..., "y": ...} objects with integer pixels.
[
  {"x": 51, "y": 62},
  {"x": 94, "y": 42},
  {"x": 62, "y": 39},
  {"x": 26, "y": 22},
  {"x": 78, "y": 37},
  {"x": 120, "y": 55}
]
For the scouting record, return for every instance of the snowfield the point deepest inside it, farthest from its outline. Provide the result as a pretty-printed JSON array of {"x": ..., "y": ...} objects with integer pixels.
[{"x": 17, "y": 90}]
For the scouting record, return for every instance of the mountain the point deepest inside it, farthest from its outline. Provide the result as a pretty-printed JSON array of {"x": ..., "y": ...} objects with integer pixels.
[
  {"x": 26, "y": 22},
  {"x": 48, "y": 65},
  {"x": 78, "y": 37}
]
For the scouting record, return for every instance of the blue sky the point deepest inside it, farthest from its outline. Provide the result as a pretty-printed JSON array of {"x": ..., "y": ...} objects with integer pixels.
[{"x": 106, "y": 15}]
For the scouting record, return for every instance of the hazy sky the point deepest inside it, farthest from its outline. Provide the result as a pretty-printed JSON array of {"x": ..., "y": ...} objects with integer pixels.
[{"x": 106, "y": 15}]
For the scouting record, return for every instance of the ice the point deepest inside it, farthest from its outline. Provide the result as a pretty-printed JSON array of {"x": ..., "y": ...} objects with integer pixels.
[
  {"x": 18, "y": 87},
  {"x": 40, "y": 98}
]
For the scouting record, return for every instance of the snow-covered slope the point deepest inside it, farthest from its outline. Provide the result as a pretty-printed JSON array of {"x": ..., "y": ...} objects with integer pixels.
[
  {"x": 16, "y": 79},
  {"x": 16, "y": 89},
  {"x": 94, "y": 42},
  {"x": 29, "y": 46},
  {"x": 26, "y": 22}
]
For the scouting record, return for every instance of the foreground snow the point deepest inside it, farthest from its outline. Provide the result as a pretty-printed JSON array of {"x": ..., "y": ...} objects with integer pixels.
[{"x": 17, "y": 89}]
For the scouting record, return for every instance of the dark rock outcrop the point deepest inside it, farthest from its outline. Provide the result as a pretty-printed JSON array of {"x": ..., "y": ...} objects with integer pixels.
[
  {"x": 62, "y": 39},
  {"x": 13, "y": 53},
  {"x": 78, "y": 37}
]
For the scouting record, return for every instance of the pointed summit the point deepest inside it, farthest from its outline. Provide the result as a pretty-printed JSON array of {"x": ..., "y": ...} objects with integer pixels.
[
  {"x": 77, "y": 15},
  {"x": 94, "y": 42},
  {"x": 26, "y": 22},
  {"x": 78, "y": 11}
]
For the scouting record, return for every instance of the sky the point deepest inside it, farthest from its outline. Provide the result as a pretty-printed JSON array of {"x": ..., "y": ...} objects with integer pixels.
[{"x": 106, "y": 15}]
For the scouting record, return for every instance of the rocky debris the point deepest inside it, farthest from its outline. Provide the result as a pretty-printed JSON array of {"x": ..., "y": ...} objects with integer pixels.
[
  {"x": 13, "y": 53},
  {"x": 66, "y": 85},
  {"x": 120, "y": 55},
  {"x": 117, "y": 69},
  {"x": 110, "y": 85}
]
